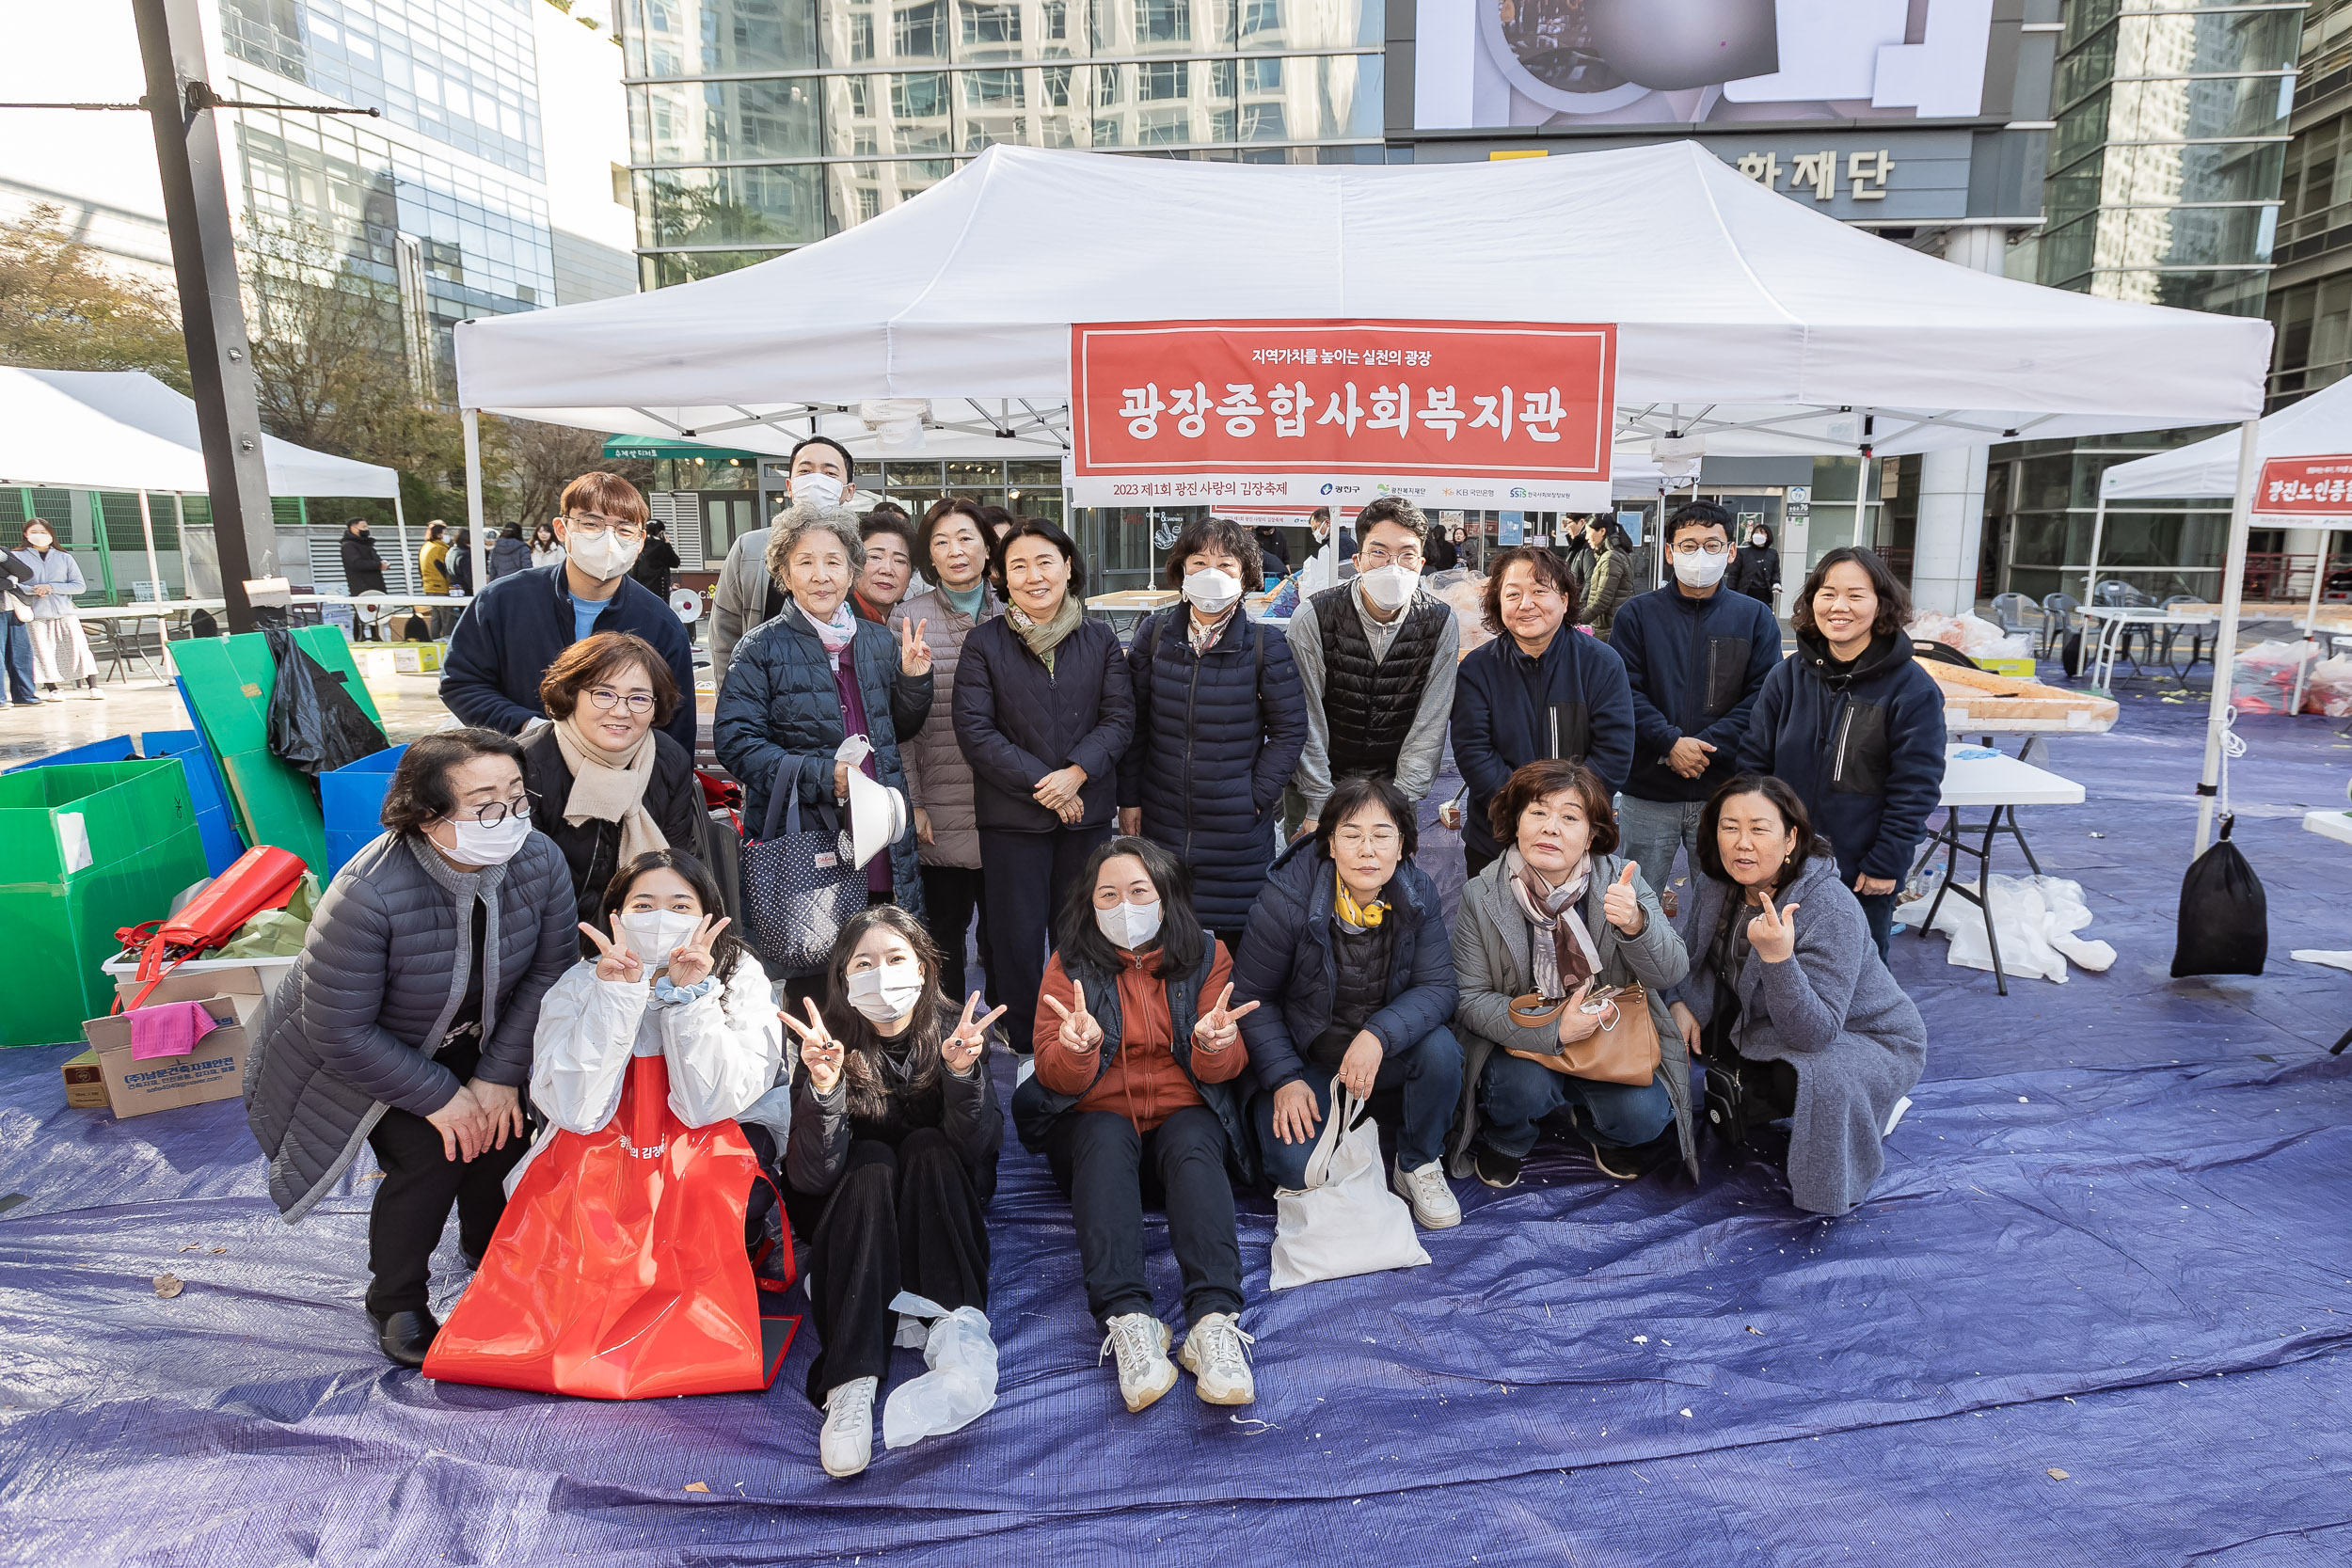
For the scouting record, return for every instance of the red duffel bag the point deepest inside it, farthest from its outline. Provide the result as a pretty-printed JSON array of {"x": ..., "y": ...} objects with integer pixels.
[{"x": 619, "y": 1270}]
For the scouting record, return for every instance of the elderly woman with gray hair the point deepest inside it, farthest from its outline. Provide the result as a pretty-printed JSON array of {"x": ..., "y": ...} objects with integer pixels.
[{"x": 800, "y": 684}]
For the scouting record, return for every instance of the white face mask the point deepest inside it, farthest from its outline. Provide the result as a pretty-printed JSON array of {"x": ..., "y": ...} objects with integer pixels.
[
  {"x": 816, "y": 489},
  {"x": 603, "y": 557},
  {"x": 1760, "y": 540},
  {"x": 654, "y": 934},
  {"x": 1211, "y": 590},
  {"x": 1390, "y": 587},
  {"x": 888, "y": 992},
  {"x": 481, "y": 845},
  {"x": 1129, "y": 926},
  {"x": 1701, "y": 570}
]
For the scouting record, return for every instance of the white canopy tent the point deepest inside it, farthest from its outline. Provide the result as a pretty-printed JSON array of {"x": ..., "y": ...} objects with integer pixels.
[
  {"x": 2318, "y": 426},
  {"x": 124, "y": 429},
  {"x": 1745, "y": 320}
]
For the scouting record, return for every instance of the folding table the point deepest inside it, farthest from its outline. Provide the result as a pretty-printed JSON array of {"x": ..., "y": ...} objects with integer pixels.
[{"x": 2004, "y": 784}]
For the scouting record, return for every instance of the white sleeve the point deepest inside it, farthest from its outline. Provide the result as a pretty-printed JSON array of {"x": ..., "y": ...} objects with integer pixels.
[
  {"x": 723, "y": 1049},
  {"x": 580, "y": 1057}
]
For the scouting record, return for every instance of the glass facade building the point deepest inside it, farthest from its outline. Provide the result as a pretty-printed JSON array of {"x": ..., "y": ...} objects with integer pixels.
[{"x": 760, "y": 125}]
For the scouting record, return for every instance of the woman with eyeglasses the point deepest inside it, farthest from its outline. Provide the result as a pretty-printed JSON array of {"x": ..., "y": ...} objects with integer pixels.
[
  {"x": 517, "y": 627},
  {"x": 607, "y": 783},
  {"x": 1539, "y": 690},
  {"x": 1347, "y": 948},
  {"x": 407, "y": 1020}
]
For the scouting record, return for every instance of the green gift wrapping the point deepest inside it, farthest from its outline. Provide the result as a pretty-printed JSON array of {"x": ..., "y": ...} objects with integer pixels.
[{"x": 86, "y": 848}]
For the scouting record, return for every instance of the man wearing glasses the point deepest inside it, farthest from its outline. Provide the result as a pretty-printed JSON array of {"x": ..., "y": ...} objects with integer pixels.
[
  {"x": 520, "y": 625},
  {"x": 1696, "y": 657},
  {"x": 1376, "y": 659}
]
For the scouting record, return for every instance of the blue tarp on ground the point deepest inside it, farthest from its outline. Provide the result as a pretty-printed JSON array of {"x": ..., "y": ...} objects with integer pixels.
[{"x": 2112, "y": 1241}]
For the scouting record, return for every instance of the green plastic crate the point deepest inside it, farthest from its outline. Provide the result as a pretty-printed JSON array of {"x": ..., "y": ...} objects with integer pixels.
[{"x": 86, "y": 848}]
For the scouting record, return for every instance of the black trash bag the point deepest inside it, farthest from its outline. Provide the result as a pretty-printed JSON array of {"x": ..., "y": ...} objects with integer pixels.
[
  {"x": 2071, "y": 655},
  {"x": 2225, "y": 919},
  {"x": 314, "y": 723}
]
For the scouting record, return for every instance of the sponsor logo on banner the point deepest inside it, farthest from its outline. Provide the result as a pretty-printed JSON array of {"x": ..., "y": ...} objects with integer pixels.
[
  {"x": 2306, "y": 487},
  {"x": 1196, "y": 413}
]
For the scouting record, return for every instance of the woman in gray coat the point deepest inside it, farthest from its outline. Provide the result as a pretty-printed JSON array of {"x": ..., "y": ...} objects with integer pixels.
[
  {"x": 1559, "y": 915},
  {"x": 1792, "y": 1018},
  {"x": 407, "y": 1022}
]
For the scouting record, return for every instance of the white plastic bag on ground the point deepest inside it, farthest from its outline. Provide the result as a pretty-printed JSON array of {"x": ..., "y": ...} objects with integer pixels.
[
  {"x": 960, "y": 1386},
  {"x": 2036, "y": 918},
  {"x": 2262, "y": 680},
  {"x": 2329, "y": 687}
]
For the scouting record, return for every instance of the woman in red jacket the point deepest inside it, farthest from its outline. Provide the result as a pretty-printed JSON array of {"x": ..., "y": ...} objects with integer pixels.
[{"x": 1137, "y": 1044}]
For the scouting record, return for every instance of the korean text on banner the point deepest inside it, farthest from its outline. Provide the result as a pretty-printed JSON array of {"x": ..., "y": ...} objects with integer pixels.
[
  {"x": 1477, "y": 415},
  {"x": 2306, "y": 487}
]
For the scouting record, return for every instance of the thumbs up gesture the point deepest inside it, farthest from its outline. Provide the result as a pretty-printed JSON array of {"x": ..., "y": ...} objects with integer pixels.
[
  {"x": 1079, "y": 1033},
  {"x": 1621, "y": 906}
]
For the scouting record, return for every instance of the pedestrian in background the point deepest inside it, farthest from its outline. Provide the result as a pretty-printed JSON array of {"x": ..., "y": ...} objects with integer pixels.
[
  {"x": 508, "y": 553},
  {"x": 657, "y": 562},
  {"x": 1756, "y": 570},
  {"x": 1610, "y": 582},
  {"x": 546, "y": 548}
]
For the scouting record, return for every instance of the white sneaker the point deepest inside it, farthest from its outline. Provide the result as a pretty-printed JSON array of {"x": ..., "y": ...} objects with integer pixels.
[
  {"x": 1430, "y": 1194},
  {"x": 1213, "y": 1355},
  {"x": 1144, "y": 1370},
  {"x": 847, "y": 1444}
]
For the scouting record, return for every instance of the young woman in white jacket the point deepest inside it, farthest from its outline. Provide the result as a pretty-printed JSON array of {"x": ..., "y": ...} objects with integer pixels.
[{"x": 623, "y": 1266}]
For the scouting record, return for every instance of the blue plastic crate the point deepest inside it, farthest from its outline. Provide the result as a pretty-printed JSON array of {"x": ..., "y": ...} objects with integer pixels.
[{"x": 351, "y": 798}]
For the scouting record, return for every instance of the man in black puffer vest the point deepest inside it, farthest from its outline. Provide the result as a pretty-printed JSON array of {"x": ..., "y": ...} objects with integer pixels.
[{"x": 1376, "y": 659}]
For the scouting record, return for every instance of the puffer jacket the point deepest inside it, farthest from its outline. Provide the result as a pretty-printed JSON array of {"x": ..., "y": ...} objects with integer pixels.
[
  {"x": 938, "y": 777},
  {"x": 1018, "y": 721},
  {"x": 779, "y": 716},
  {"x": 354, "y": 1024},
  {"x": 507, "y": 557},
  {"x": 1609, "y": 585},
  {"x": 1217, "y": 737}
]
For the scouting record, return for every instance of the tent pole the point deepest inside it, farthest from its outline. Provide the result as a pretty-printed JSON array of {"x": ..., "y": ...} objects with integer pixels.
[
  {"x": 400, "y": 532},
  {"x": 155, "y": 576},
  {"x": 2225, "y": 642},
  {"x": 473, "y": 500},
  {"x": 2311, "y": 616},
  {"x": 2098, "y": 526}
]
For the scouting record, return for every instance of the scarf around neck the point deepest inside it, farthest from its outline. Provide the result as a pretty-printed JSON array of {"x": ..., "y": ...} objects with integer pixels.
[
  {"x": 835, "y": 633},
  {"x": 1568, "y": 960},
  {"x": 1360, "y": 917},
  {"x": 610, "y": 788},
  {"x": 1043, "y": 637}
]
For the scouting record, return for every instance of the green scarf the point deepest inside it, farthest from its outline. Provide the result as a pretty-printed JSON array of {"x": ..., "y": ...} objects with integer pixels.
[{"x": 1043, "y": 637}]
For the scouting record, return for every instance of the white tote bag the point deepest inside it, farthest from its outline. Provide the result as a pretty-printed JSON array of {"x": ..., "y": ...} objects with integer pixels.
[{"x": 1346, "y": 1221}]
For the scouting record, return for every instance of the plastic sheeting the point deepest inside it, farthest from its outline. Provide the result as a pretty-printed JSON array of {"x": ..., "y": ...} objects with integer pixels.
[{"x": 2110, "y": 1241}]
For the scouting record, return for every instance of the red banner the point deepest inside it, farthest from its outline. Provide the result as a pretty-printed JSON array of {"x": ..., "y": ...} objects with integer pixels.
[
  {"x": 1451, "y": 413},
  {"x": 2305, "y": 487}
]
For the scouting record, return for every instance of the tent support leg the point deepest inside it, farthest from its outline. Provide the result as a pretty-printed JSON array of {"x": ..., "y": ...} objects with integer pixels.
[
  {"x": 2310, "y": 617},
  {"x": 473, "y": 502},
  {"x": 400, "y": 532},
  {"x": 2225, "y": 642},
  {"x": 2098, "y": 526}
]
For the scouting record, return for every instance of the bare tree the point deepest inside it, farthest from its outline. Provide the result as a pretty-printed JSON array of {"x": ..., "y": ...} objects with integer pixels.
[
  {"x": 544, "y": 459},
  {"x": 62, "y": 309}
]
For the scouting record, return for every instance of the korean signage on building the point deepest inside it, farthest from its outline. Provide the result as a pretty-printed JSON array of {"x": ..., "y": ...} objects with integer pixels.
[
  {"x": 1479, "y": 415},
  {"x": 2305, "y": 487}
]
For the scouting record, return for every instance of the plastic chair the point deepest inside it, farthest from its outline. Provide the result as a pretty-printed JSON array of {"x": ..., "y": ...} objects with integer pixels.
[
  {"x": 2116, "y": 593},
  {"x": 2058, "y": 619},
  {"x": 2195, "y": 634},
  {"x": 2010, "y": 612}
]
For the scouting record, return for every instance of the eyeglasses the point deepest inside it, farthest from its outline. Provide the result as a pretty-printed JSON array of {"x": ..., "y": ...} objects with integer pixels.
[
  {"x": 499, "y": 811},
  {"x": 594, "y": 527},
  {"x": 1378, "y": 554},
  {"x": 1355, "y": 838},
  {"x": 606, "y": 697},
  {"x": 1689, "y": 549}
]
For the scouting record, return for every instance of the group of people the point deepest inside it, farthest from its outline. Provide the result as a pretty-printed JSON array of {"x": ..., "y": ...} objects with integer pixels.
[
  {"x": 44, "y": 652},
  {"x": 1188, "y": 866}
]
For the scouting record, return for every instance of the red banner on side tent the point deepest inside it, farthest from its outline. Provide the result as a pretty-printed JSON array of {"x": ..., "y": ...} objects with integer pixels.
[
  {"x": 1451, "y": 413},
  {"x": 2306, "y": 487}
]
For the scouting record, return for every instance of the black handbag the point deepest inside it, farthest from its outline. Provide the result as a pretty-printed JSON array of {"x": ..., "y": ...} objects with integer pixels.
[{"x": 800, "y": 887}]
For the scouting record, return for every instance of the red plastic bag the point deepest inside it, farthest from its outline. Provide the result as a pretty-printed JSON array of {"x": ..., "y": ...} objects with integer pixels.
[
  {"x": 263, "y": 877},
  {"x": 619, "y": 1270}
]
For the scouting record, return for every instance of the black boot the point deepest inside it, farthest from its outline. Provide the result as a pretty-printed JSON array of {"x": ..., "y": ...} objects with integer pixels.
[{"x": 405, "y": 1335}]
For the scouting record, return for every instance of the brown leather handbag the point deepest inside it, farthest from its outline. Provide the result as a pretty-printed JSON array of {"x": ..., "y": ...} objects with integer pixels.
[{"x": 1624, "y": 1050}]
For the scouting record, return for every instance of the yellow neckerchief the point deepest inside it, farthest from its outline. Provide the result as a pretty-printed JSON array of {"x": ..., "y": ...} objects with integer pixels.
[{"x": 1362, "y": 916}]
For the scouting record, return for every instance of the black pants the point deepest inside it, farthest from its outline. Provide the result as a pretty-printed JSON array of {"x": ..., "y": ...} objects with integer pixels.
[
  {"x": 905, "y": 1218},
  {"x": 1474, "y": 861},
  {"x": 951, "y": 896},
  {"x": 1029, "y": 876},
  {"x": 1109, "y": 1170},
  {"x": 413, "y": 1201}
]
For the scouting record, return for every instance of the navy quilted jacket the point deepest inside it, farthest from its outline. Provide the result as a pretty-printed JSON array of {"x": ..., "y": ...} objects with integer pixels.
[
  {"x": 381, "y": 973},
  {"x": 1217, "y": 737},
  {"x": 779, "y": 709},
  {"x": 1017, "y": 721}
]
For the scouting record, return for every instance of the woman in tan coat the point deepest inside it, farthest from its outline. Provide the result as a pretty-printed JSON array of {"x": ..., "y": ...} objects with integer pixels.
[{"x": 951, "y": 551}]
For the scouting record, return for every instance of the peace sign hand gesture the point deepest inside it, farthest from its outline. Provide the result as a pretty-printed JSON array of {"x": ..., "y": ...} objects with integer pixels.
[
  {"x": 1220, "y": 1026},
  {"x": 915, "y": 654},
  {"x": 689, "y": 964},
  {"x": 820, "y": 1052},
  {"x": 616, "y": 961},
  {"x": 1621, "y": 906},
  {"x": 963, "y": 1048},
  {"x": 1079, "y": 1033},
  {"x": 1773, "y": 934}
]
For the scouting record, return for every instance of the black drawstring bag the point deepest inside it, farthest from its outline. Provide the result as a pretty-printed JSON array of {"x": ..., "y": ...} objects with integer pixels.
[
  {"x": 314, "y": 723},
  {"x": 2225, "y": 919}
]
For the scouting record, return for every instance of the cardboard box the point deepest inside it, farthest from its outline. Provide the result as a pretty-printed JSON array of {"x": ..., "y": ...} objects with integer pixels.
[
  {"x": 237, "y": 982},
  {"x": 213, "y": 1070},
  {"x": 85, "y": 1085}
]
